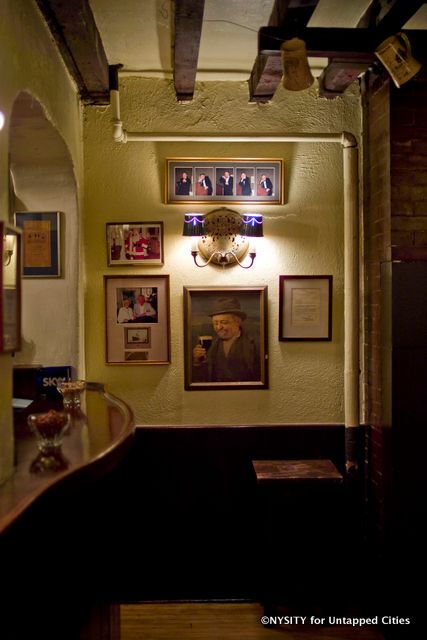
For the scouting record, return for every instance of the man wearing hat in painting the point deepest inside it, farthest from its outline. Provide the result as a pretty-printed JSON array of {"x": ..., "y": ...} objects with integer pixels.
[{"x": 233, "y": 356}]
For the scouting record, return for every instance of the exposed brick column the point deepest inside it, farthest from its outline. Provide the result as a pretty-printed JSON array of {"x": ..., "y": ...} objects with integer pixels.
[
  {"x": 377, "y": 249},
  {"x": 408, "y": 131},
  {"x": 395, "y": 229}
]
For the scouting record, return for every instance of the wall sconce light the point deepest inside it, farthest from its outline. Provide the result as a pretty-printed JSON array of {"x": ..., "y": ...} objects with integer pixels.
[
  {"x": 8, "y": 246},
  {"x": 223, "y": 237},
  {"x": 396, "y": 55},
  {"x": 296, "y": 70}
]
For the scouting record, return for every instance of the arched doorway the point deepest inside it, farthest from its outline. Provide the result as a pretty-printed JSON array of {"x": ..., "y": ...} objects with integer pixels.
[{"x": 43, "y": 180}]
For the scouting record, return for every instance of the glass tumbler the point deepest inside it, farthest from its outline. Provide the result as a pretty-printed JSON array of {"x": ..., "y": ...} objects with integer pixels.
[
  {"x": 71, "y": 391},
  {"x": 49, "y": 429}
]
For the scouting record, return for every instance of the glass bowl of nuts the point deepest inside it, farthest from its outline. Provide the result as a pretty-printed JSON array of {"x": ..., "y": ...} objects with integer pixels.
[
  {"x": 49, "y": 429},
  {"x": 71, "y": 391}
]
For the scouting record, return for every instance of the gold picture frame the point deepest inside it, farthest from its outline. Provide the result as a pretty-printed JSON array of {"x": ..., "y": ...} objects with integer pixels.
[
  {"x": 247, "y": 361},
  {"x": 232, "y": 180}
]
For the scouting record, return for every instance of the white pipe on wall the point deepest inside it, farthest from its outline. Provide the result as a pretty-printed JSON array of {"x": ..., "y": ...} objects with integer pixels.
[
  {"x": 351, "y": 287},
  {"x": 351, "y": 237}
]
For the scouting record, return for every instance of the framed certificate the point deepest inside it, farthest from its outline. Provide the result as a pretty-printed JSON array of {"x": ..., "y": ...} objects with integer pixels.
[{"x": 305, "y": 307}]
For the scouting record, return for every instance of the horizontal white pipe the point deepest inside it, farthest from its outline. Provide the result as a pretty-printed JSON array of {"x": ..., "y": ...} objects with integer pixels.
[{"x": 199, "y": 137}]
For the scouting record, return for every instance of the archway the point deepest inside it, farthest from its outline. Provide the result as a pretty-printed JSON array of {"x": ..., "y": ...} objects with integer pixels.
[{"x": 43, "y": 180}]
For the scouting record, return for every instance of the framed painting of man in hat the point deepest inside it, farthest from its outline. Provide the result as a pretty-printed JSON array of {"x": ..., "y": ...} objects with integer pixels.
[{"x": 225, "y": 338}]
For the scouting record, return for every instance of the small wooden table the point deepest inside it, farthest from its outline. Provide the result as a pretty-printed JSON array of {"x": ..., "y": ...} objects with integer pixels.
[
  {"x": 296, "y": 471},
  {"x": 300, "y": 515}
]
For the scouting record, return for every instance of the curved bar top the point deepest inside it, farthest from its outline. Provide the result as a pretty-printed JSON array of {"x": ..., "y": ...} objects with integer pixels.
[{"x": 100, "y": 434}]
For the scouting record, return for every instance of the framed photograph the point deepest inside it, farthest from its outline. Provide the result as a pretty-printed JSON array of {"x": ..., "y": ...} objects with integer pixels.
[
  {"x": 134, "y": 243},
  {"x": 243, "y": 181},
  {"x": 137, "y": 319},
  {"x": 41, "y": 255},
  {"x": 225, "y": 338},
  {"x": 10, "y": 289},
  {"x": 305, "y": 307},
  {"x": 137, "y": 338}
]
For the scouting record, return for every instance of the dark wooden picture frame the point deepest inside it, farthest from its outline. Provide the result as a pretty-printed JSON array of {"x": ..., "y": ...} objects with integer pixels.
[
  {"x": 246, "y": 364},
  {"x": 41, "y": 243},
  {"x": 10, "y": 289},
  {"x": 213, "y": 180},
  {"x": 305, "y": 308},
  {"x": 126, "y": 311}
]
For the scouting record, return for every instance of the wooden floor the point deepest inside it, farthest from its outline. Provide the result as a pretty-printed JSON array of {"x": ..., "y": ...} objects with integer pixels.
[{"x": 219, "y": 621}]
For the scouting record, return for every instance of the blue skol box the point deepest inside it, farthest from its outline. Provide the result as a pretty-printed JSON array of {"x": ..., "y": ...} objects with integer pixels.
[{"x": 48, "y": 379}]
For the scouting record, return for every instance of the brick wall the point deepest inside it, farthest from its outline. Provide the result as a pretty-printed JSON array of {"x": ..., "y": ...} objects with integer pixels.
[
  {"x": 377, "y": 249},
  {"x": 408, "y": 129},
  {"x": 395, "y": 229}
]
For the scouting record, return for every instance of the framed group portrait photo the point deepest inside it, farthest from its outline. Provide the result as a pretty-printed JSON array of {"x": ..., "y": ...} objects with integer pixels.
[
  {"x": 41, "y": 243},
  {"x": 225, "y": 338},
  {"x": 137, "y": 319},
  {"x": 243, "y": 181},
  {"x": 305, "y": 308},
  {"x": 134, "y": 244}
]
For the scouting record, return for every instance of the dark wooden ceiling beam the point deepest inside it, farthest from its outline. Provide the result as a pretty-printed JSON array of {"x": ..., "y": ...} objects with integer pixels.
[
  {"x": 188, "y": 29},
  {"x": 267, "y": 70},
  {"x": 322, "y": 42},
  {"x": 386, "y": 17},
  {"x": 74, "y": 30},
  {"x": 389, "y": 15},
  {"x": 339, "y": 75}
]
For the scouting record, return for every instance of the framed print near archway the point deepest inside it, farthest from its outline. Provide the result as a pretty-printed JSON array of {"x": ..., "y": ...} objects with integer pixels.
[{"x": 41, "y": 243}]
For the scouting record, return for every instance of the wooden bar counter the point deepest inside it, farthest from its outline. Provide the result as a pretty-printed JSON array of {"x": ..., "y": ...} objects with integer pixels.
[{"x": 56, "y": 541}]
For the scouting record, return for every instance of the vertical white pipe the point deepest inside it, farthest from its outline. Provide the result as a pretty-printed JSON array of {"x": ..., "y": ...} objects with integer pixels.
[
  {"x": 351, "y": 287},
  {"x": 118, "y": 133}
]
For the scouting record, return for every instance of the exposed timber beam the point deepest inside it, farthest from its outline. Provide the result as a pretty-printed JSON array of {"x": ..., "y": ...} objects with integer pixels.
[
  {"x": 322, "y": 42},
  {"x": 188, "y": 29},
  {"x": 386, "y": 16},
  {"x": 73, "y": 27},
  {"x": 267, "y": 70},
  {"x": 338, "y": 76},
  {"x": 389, "y": 15}
]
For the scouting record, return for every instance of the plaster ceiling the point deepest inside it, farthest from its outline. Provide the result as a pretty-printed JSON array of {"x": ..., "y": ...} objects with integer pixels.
[
  {"x": 235, "y": 40},
  {"x": 138, "y": 34}
]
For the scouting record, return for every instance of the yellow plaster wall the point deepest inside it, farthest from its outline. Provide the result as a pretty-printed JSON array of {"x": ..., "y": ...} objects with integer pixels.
[
  {"x": 29, "y": 61},
  {"x": 304, "y": 236}
]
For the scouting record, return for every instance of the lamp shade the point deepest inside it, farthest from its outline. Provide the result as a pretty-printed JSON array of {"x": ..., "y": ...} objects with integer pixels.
[
  {"x": 194, "y": 225},
  {"x": 252, "y": 226}
]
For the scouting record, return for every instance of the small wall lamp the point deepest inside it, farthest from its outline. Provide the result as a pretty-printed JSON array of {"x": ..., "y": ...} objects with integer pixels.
[
  {"x": 8, "y": 244},
  {"x": 222, "y": 236}
]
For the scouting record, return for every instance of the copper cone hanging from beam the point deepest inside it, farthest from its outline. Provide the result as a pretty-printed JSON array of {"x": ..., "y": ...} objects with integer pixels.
[{"x": 296, "y": 70}]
